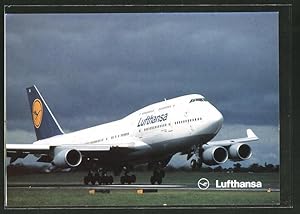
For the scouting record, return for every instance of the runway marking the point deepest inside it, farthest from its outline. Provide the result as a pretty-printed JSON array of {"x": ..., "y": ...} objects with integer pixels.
[{"x": 129, "y": 187}]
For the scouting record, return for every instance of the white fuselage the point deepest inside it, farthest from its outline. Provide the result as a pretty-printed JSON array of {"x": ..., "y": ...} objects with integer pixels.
[{"x": 165, "y": 127}]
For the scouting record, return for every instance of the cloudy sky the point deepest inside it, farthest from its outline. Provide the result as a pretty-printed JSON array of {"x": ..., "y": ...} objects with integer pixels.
[{"x": 95, "y": 68}]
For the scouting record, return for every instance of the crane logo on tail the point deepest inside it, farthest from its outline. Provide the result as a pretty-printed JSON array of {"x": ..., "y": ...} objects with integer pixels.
[{"x": 37, "y": 113}]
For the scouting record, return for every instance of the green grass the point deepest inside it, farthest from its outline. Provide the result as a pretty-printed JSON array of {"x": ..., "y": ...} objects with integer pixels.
[
  {"x": 81, "y": 197},
  {"x": 54, "y": 198}
]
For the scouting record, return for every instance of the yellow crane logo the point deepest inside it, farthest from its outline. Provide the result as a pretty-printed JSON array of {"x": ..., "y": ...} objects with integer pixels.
[{"x": 37, "y": 113}]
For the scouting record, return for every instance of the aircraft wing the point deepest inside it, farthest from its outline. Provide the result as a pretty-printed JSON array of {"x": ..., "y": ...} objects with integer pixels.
[
  {"x": 45, "y": 150},
  {"x": 250, "y": 137},
  {"x": 129, "y": 143}
]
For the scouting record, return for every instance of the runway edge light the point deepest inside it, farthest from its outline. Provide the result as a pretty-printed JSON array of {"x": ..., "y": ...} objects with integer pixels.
[
  {"x": 140, "y": 191},
  {"x": 92, "y": 192}
]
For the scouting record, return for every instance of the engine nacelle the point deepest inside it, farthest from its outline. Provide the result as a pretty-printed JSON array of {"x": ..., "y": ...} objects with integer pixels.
[
  {"x": 215, "y": 155},
  {"x": 239, "y": 151},
  {"x": 67, "y": 158}
]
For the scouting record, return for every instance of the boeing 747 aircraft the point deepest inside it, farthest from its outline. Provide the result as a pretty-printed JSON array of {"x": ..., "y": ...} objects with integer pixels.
[{"x": 151, "y": 135}]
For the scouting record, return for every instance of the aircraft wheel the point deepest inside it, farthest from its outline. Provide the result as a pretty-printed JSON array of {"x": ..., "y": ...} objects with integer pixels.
[
  {"x": 193, "y": 164},
  {"x": 152, "y": 180},
  {"x": 86, "y": 180},
  {"x": 110, "y": 179},
  {"x": 106, "y": 180},
  {"x": 127, "y": 179},
  {"x": 122, "y": 180},
  {"x": 100, "y": 180},
  {"x": 133, "y": 178},
  {"x": 199, "y": 163},
  {"x": 93, "y": 181},
  {"x": 97, "y": 178},
  {"x": 159, "y": 180}
]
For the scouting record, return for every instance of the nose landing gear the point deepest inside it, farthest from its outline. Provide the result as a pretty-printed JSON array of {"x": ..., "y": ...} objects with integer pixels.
[
  {"x": 196, "y": 164},
  {"x": 158, "y": 175},
  {"x": 158, "y": 172}
]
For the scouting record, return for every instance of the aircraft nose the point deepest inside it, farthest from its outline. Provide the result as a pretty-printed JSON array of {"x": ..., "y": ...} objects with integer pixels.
[{"x": 217, "y": 119}]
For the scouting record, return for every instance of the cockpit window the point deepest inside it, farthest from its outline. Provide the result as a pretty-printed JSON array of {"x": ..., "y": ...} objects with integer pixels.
[{"x": 197, "y": 99}]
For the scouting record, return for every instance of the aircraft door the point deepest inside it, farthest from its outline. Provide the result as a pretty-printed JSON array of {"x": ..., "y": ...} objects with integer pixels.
[
  {"x": 138, "y": 129},
  {"x": 187, "y": 115}
]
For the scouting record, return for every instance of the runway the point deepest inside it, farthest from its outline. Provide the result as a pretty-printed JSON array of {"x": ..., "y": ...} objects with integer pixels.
[{"x": 190, "y": 187}]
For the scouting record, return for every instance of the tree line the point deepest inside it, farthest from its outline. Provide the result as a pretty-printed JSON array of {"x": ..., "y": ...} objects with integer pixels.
[{"x": 237, "y": 167}]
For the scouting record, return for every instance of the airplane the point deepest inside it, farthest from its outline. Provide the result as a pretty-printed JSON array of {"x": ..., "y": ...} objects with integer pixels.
[{"x": 150, "y": 135}]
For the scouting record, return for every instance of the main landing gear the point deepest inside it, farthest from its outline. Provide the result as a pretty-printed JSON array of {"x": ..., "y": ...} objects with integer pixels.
[
  {"x": 100, "y": 177},
  {"x": 127, "y": 178},
  {"x": 94, "y": 178}
]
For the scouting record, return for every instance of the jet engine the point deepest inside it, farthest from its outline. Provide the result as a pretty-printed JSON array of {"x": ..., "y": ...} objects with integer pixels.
[
  {"x": 214, "y": 155},
  {"x": 239, "y": 151},
  {"x": 67, "y": 158}
]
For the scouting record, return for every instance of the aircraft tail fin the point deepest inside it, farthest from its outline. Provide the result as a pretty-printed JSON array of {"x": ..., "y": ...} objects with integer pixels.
[{"x": 44, "y": 122}]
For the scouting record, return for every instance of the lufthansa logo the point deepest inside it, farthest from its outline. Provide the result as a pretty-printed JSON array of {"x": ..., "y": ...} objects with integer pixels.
[
  {"x": 37, "y": 113},
  {"x": 203, "y": 183},
  {"x": 152, "y": 119}
]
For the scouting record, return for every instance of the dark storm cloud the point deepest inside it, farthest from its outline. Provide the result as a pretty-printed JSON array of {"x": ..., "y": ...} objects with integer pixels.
[{"x": 97, "y": 68}]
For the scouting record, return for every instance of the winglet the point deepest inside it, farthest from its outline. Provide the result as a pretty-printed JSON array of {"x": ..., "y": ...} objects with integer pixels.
[{"x": 250, "y": 134}]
